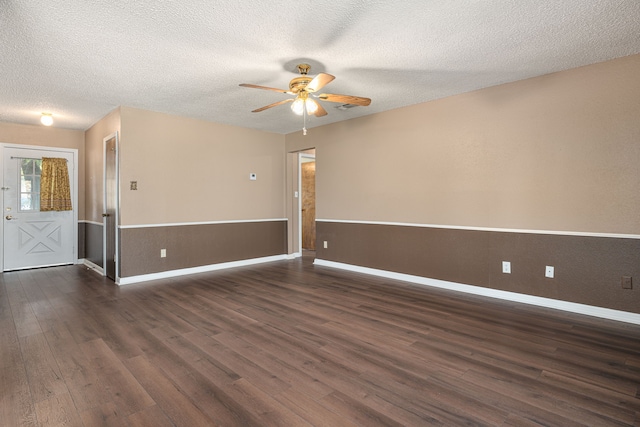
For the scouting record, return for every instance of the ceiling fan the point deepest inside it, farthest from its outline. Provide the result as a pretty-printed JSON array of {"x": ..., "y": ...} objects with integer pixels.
[{"x": 304, "y": 88}]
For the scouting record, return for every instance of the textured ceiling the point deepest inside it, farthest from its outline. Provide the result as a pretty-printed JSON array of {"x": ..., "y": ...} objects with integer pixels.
[{"x": 81, "y": 59}]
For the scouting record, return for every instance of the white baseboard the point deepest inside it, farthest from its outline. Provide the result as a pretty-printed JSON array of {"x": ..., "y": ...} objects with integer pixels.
[
  {"x": 589, "y": 310},
  {"x": 193, "y": 270},
  {"x": 92, "y": 266}
]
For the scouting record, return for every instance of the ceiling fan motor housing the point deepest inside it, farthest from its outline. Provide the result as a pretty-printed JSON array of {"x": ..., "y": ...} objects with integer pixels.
[{"x": 299, "y": 83}]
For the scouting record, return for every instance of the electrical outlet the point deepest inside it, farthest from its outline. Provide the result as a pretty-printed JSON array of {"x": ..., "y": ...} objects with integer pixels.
[
  {"x": 163, "y": 253},
  {"x": 626, "y": 282},
  {"x": 506, "y": 267},
  {"x": 549, "y": 271},
  {"x": 134, "y": 185},
  {"x": 325, "y": 244}
]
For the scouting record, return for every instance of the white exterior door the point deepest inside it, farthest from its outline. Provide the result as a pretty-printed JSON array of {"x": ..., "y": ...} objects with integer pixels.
[{"x": 32, "y": 238}]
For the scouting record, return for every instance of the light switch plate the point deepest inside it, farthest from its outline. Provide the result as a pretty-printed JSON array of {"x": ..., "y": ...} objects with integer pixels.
[{"x": 253, "y": 176}]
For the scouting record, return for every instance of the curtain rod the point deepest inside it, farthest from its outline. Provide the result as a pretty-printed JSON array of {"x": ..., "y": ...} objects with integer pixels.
[{"x": 33, "y": 158}]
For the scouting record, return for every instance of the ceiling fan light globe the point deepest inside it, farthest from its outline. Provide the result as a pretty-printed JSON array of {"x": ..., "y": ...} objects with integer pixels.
[
  {"x": 311, "y": 106},
  {"x": 298, "y": 106}
]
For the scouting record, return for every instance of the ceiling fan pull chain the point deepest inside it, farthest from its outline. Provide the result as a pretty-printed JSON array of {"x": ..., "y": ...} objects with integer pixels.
[{"x": 304, "y": 120}]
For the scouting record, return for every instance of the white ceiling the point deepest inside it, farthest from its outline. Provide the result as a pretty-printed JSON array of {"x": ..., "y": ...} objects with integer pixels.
[{"x": 81, "y": 59}]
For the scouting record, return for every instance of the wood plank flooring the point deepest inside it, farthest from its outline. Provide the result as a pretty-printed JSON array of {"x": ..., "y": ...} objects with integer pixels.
[{"x": 292, "y": 344}]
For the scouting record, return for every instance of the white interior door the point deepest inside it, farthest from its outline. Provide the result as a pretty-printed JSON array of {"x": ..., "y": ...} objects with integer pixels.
[{"x": 32, "y": 238}]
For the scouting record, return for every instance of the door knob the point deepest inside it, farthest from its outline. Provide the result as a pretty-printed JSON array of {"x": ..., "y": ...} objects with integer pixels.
[
  {"x": 9, "y": 217},
  {"x": 105, "y": 215}
]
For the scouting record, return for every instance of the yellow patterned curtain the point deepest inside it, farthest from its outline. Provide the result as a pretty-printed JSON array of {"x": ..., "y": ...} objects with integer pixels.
[{"x": 55, "y": 192}]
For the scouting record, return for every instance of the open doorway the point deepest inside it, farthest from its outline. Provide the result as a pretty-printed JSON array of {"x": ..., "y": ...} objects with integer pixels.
[{"x": 301, "y": 202}]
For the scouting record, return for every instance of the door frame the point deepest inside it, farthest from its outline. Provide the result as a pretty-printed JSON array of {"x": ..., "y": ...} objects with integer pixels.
[
  {"x": 301, "y": 156},
  {"x": 104, "y": 206},
  {"x": 74, "y": 196}
]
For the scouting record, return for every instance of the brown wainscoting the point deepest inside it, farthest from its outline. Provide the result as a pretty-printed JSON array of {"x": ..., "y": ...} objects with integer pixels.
[
  {"x": 81, "y": 239},
  {"x": 588, "y": 270},
  {"x": 197, "y": 245},
  {"x": 93, "y": 243}
]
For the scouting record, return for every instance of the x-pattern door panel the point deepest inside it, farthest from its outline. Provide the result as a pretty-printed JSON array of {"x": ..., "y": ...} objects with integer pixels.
[{"x": 39, "y": 237}]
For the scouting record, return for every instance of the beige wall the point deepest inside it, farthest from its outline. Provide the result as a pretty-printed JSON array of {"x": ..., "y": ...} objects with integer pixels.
[
  {"x": 190, "y": 170},
  {"x": 557, "y": 152},
  {"x": 94, "y": 158},
  {"x": 50, "y": 137}
]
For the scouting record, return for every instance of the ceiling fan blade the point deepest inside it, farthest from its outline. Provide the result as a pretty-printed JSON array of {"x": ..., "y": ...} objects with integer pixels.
[
  {"x": 319, "y": 81},
  {"x": 275, "y": 104},
  {"x": 266, "y": 88},
  {"x": 345, "y": 99},
  {"x": 320, "y": 111}
]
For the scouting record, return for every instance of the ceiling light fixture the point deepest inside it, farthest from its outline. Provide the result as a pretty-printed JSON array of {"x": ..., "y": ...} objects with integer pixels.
[
  {"x": 303, "y": 106},
  {"x": 46, "y": 119},
  {"x": 298, "y": 106},
  {"x": 302, "y": 103},
  {"x": 311, "y": 106}
]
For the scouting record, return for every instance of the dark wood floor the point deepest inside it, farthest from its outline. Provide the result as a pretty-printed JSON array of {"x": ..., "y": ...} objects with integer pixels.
[{"x": 287, "y": 344}]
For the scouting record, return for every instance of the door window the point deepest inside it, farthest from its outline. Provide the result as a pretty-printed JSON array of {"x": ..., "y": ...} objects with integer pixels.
[{"x": 30, "y": 171}]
